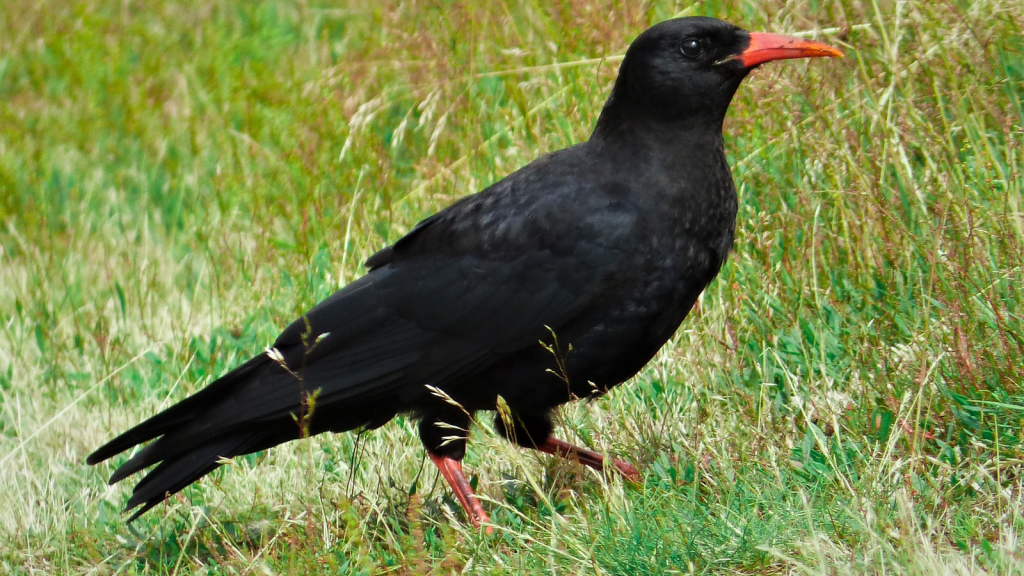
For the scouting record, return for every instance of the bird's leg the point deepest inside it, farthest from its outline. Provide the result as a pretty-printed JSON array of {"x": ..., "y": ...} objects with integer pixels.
[
  {"x": 444, "y": 435},
  {"x": 564, "y": 449},
  {"x": 451, "y": 469},
  {"x": 527, "y": 428}
]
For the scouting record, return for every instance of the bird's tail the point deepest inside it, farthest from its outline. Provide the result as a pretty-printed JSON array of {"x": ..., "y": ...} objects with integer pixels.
[{"x": 189, "y": 445}]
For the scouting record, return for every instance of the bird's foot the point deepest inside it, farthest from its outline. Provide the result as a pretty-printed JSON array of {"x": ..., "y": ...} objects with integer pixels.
[
  {"x": 451, "y": 469},
  {"x": 566, "y": 450}
]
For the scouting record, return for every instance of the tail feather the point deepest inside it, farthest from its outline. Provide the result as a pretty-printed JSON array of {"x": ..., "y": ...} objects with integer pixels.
[
  {"x": 172, "y": 476},
  {"x": 245, "y": 411},
  {"x": 179, "y": 414}
]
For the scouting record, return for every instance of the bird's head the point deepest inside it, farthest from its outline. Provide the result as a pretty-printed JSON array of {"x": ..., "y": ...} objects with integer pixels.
[{"x": 687, "y": 69}]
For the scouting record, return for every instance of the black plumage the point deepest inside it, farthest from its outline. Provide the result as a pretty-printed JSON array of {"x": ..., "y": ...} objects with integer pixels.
[{"x": 603, "y": 246}]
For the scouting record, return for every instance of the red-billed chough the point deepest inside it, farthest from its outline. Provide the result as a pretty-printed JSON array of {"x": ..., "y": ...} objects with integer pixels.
[{"x": 558, "y": 282}]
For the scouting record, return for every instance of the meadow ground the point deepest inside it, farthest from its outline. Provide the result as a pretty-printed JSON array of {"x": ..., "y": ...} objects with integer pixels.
[{"x": 178, "y": 180}]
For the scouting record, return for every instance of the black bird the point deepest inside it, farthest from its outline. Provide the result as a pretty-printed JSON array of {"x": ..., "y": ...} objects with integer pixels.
[{"x": 558, "y": 282}]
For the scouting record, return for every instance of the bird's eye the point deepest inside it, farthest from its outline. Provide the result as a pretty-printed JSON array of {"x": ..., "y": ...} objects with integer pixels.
[{"x": 691, "y": 48}]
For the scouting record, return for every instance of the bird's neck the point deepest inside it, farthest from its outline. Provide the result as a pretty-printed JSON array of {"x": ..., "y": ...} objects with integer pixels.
[
  {"x": 635, "y": 141},
  {"x": 630, "y": 109},
  {"x": 678, "y": 169},
  {"x": 633, "y": 128}
]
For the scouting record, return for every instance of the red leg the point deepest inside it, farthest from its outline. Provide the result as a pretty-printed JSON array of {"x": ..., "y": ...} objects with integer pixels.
[
  {"x": 451, "y": 469},
  {"x": 559, "y": 448}
]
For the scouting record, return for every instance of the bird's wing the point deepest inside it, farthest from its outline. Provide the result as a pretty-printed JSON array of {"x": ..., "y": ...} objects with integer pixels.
[
  {"x": 436, "y": 310},
  {"x": 483, "y": 279},
  {"x": 432, "y": 319}
]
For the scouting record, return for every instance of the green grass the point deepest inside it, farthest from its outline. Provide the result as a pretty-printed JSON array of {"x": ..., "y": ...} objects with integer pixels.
[{"x": 179, "y": 180}]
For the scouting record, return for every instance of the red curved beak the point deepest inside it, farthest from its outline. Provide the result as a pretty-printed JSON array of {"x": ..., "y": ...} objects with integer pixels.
[{"x": 767, "y": 47}]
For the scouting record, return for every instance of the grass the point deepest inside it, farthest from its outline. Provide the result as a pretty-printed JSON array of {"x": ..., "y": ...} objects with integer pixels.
[{"x": 178, "y": 180}]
